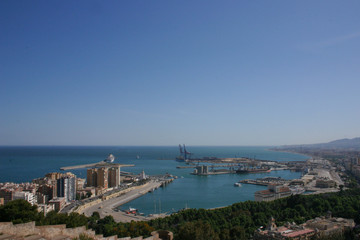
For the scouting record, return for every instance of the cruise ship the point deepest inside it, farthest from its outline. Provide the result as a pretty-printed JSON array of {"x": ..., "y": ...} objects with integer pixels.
[{"x": 110, "y": 158}]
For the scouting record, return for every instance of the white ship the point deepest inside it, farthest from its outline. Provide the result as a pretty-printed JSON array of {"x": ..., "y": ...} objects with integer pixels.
[{"x": 110, "y": 158}]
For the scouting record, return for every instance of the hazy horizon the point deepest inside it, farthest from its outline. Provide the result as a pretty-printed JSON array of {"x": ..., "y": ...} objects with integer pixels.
[{"x": 195, "y": 145}]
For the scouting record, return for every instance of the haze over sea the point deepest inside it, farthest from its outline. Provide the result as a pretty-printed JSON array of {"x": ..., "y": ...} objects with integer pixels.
[{"x": 22, "y": 164}]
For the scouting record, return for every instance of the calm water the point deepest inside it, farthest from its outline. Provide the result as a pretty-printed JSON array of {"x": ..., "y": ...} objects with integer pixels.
[{"x": 22, "y": 164}]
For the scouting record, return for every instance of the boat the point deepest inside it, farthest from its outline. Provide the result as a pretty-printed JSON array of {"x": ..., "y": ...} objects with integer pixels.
[
  {"x": 110, "y": 158},
  {"x": 237, "y": 184},
  {"x": 131, "y": 210},
  {"x": 297, "y": 190}
]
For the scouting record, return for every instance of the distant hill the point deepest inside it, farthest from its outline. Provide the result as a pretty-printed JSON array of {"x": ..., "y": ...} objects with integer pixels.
[{"x": 341, "y": 144}]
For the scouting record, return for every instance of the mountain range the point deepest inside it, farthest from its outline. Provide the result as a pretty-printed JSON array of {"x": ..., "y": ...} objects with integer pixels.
[{"x": 341, "y": 144}]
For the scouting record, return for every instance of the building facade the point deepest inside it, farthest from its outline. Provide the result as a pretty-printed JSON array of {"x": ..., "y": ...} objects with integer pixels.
[
  {"x": 318, "y": 227},
  {"x": 27, "y": 196},
  {"x": 103, "y": 177},
  {"x": 66, "y": 188},
  {"x": 272, "y": 193},
  {"x": 114, "y": 177}
]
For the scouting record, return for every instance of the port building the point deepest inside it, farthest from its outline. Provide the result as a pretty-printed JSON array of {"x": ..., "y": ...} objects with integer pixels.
[
  {"x": 201, "y": 170},
  {"x": 272, "y": 193}
]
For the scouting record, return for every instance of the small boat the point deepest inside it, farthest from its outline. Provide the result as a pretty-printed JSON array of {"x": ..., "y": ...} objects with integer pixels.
[
  {"x": 131, "y": 210},
  {"x": 237, "y": 184}
]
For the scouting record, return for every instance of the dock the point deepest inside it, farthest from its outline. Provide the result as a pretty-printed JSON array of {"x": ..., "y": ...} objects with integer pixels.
[
  {"x": 108, "y": 205},
  {"x": 265, "y": 181},
  {"x": 216, "y": 172},
  {"x": 211, "y": 166}
]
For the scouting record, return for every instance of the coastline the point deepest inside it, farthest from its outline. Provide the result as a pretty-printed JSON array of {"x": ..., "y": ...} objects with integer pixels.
[
  {"x": 204, "y": 191},
  {"x": 290, "y": 151}
]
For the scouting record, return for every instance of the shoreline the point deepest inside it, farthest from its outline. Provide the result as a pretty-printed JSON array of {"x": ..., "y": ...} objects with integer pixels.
[{"x": 289, "y": 151}]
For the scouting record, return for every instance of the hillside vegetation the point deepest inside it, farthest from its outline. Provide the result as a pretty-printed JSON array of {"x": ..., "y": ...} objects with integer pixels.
[{"x": 238, "y": 221}]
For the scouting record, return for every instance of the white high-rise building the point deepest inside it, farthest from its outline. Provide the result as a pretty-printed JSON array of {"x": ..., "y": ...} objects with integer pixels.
[
  {"x": 66, "y": 188},
  {"x": 25, "y": 196}
]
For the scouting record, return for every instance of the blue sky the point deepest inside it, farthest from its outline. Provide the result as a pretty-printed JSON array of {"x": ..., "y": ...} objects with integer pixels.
[{"x": 170, "y": 72}]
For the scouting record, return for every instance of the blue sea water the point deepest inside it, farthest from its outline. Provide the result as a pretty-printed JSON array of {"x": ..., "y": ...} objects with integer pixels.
[{"x": 22, "y": 164}]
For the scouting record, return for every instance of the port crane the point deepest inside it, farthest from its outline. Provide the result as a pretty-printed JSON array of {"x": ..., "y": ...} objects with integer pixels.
[{"x": 184, "y": 153}]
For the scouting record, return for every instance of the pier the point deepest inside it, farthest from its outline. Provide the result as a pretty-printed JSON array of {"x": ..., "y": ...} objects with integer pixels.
[
  {"x": 203, "y": 170},
  {"x": 266, "y": 181},
  {"x": 108, "y": 205},
  {"x": 97, "y": 165},
  {"x": 211, "y": 166}
]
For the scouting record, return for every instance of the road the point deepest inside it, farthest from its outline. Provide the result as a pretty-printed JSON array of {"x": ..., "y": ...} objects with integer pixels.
[{"x": 106, "y": 207}]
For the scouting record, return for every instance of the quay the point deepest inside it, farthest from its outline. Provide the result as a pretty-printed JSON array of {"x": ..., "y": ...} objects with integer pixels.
[
  {"x": 216, "y": 172},
  {"x": 210, "y": 166},
  {"x": 319, "y": 176},
  {"x": 108, "y": 205},
  {"x": 226, "y": 160},
  {"x": 239, "y": 168},
  {"x": 266, "y": 181},
  {"x": 203, "y": 170}
]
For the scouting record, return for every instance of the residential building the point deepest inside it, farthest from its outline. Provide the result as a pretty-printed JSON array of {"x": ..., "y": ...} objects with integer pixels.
[
  {"x": 59, "y": 203},
  {"x": 318, "y": 227},
  {"x": 288, "y": 231},
  {"x": 114, "y": 177},
  {"x": 46, "y": 208},
  {"x": 329, "y": 225},
  {"x": 6, "y": 194},
  {"x": 66, "y": 187},
  {"x": 91, "y": 177},
  {"x": 104, "y": 177},
  {"x": 27, "y": 196},
  {"x": 48, "y": 191},
  {"x": 80, "y": 183}
]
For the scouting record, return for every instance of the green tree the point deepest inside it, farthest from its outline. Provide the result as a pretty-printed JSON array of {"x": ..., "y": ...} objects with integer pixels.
[
  {"x": 197, "y": 230},
  {"x": 19, "y": 211},
  {"x": 83, "y": 237}
]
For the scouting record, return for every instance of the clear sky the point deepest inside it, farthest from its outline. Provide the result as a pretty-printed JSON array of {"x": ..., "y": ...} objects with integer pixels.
[{"x": 169, "y": 72}]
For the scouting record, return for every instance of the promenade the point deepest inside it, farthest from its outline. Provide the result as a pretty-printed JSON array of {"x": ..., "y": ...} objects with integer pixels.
[{"x": 105, "y": 207}]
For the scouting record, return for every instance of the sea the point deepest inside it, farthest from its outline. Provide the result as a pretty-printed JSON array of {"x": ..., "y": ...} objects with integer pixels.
[{"x": 22, "y": 164}]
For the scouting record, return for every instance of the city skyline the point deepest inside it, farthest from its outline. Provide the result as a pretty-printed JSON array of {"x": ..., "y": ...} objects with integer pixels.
[{"x": 162, "y": 73}]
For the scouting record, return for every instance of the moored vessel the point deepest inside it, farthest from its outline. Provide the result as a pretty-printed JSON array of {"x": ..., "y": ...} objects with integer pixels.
[{"x": 237, "y": 184}]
